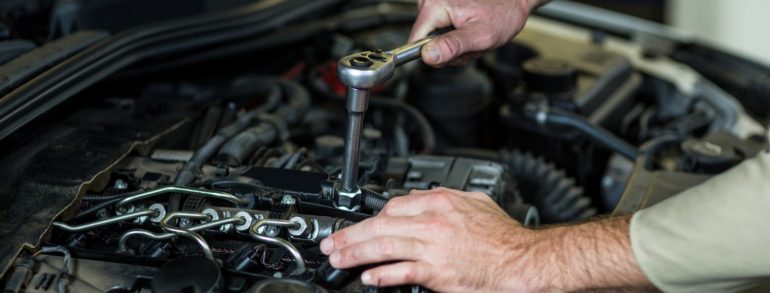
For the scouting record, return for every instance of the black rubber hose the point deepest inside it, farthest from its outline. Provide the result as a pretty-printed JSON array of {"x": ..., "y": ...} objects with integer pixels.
[
  {"x": 297, "y": 102},
  {"x": 240, "y": 147},
  {"x": 426, "y": 130},
  {"x": 204, "y": 153},
  {"x": 555, "y": 195},
  {"x": 556, "y": 117},
  {"x": 259, "y": 86},
  {"x": 373, "y": 200},
  {"x": 291, "y": 112},
  {"x": 192, "y": 167}
]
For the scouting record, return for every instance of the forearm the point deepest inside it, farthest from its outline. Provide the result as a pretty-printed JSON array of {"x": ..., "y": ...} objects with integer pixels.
[{"x": 586, "y": 256}]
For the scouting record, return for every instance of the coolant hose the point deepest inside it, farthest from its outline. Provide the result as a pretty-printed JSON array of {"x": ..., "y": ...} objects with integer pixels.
[
  {"x": 556, "y": 196},
  {"x": 297, "y": 104},
  {"x": 241, "y": 146},
  {"x": 557, "y": 117}
]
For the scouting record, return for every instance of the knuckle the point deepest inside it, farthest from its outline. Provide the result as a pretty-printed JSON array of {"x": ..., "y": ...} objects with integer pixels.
[
  {"x": 441, "y": 200},
  {"x": 453, "y": 46},
  {"x": 349, "y": 256},
  {"x": 438, "y": 195},
  {"x": 487, "y": 40},
  {"x": 441, "y": 189},
  {"x": 479, "y": 195},
  {"x": 436, "y": 223},
  {"x": 393, "y": 205},
  {"x": 410, "y": 274},
  {"x": 379, "y": 225},
  {"x": 340, "y": 239},
  {"x": 386, "y": 247}
]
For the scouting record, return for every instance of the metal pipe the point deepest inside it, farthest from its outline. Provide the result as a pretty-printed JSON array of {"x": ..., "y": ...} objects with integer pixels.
[
  {"x": 300, "y": 261},
  {"x": 555, "y": 117},
  {"x": 238, "y": 220},
  {"x": 357, "y": 102},
  {"x": 178, "y": 189},
  {"x": 187, "y": 233},
  {"x": 107, "y": 221}
]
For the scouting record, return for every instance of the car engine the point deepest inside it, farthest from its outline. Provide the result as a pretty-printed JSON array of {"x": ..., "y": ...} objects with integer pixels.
[{"x": 216, "y": 168}]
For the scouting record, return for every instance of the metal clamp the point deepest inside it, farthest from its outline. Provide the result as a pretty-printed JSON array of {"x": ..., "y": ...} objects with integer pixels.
[
  {"x": 253, "y": 232},
  {"x": 186, "y": 232}
]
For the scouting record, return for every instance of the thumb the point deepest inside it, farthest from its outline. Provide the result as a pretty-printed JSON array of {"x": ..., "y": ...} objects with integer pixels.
[{"x": 451, "y": 45}]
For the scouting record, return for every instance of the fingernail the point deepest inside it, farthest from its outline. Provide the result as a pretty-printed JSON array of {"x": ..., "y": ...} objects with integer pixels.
[
  {"x": 366, "y": 278},
  {"x": 432, "y": 52},
  {"x": 334, "y": 259},
  {"x": 327, "y": 245}
]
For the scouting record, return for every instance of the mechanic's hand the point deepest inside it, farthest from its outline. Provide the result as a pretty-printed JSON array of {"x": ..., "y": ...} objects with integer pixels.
[
  {"x": 480, "y": 25},
  {"x": 443, "y": 239}
]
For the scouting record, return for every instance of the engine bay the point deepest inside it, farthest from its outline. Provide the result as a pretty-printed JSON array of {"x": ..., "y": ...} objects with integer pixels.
[{"x": 218, "y": 174}]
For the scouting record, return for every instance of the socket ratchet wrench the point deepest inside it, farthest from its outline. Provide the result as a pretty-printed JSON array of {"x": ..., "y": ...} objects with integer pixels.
[{"x": 360, "y": 72}]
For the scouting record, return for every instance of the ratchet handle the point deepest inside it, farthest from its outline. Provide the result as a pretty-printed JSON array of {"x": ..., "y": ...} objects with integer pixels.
[
  {"x": 409, "y": 52},
  {"x": 413, "y": 50}
]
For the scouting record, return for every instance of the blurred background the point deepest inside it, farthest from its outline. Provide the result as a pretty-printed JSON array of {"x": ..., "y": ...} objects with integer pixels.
[{"x": 738, "y": 26}]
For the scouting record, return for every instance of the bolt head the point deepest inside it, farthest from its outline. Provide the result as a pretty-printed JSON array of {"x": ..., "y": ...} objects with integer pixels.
[
  {"x": 350, "y": 201},
  {"x": 121, "y": 184},
  {"x": 288, "y": 200},
  {"x": 272, "y": 231}
]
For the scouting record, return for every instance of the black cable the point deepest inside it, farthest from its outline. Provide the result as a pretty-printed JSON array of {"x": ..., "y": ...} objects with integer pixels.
[
  {"x": 351, "y": 21},
  {"x": 291, "y": 112},
  {"x": 427, "y": 133},
  {"x": 203, "y": 154}
]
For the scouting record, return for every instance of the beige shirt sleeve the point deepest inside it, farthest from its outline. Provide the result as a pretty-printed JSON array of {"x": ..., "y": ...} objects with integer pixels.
[{"x": 714, "y": 237}]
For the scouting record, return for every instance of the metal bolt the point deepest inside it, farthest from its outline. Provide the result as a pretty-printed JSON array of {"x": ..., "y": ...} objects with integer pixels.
[
  {"x": 608, "y": 181},
  {"x": 271, "y": 231},
  {"x": 185, "y": 222},
  {"x": 706, "y": 148},
  {"x": 102, "y": 214},
  {"x": 120, "y": 184},
  {"x": 288, "y": 200},
  {"x": 360, "y": 62},
  {"x": 302, "y": 229}
]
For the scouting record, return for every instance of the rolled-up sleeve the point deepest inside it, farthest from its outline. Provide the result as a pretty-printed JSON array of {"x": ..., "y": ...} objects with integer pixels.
[{"x": 714, "y": 237}]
